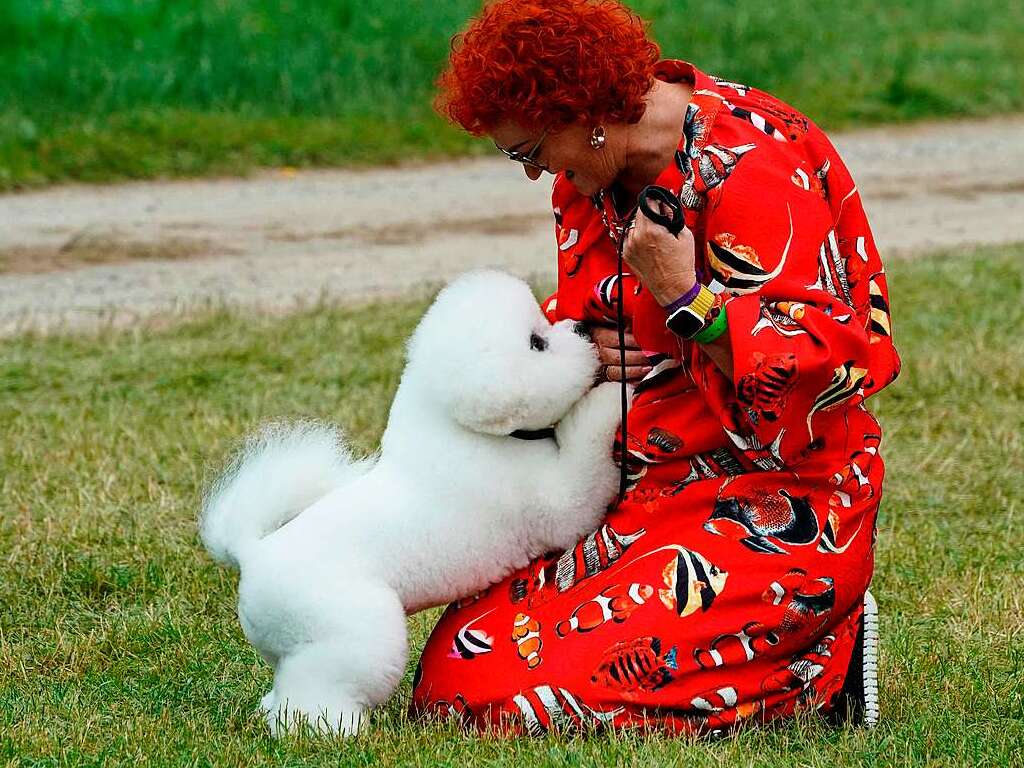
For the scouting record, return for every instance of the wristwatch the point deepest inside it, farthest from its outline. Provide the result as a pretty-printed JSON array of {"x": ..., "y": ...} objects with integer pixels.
[{"x": 688, "y": 314}]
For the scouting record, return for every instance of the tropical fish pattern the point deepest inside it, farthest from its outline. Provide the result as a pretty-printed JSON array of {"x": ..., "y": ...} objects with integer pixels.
[
  {"x": 526, "y": 636},
  {"x": 763, "y": 520},
  {"x": 612, "y": 604},
  {"x": 691, "y": 582},
  {"x": 469, "y": 643},
  {"x": 636, "y": 665},
  {"x": 726, "y": 587},
  {"x": 596, "y": 553},
  {"x": 736, "y": 647},
  {"x": 765, "y": 390},
  {"x": 545, "y": 708}
]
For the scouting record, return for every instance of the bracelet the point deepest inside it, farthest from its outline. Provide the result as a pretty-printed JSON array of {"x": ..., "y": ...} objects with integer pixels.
[
  {"x": 683, "y": 300},
  {"x": 715, "y": 328},
  {"x": 689, "y": 317}
]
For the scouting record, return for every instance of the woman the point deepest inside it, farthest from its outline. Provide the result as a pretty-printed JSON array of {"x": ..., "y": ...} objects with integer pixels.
[{"x": 729, "y": 582}]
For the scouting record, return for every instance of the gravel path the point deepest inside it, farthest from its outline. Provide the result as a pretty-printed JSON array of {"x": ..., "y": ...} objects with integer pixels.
[{"x": 283, "y": 239}]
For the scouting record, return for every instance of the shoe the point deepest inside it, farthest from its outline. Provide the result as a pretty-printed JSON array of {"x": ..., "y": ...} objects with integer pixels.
[{"x": 858, "y": 699}]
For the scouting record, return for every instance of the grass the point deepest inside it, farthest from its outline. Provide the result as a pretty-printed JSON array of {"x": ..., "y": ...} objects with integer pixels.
[
  {"x": 118, "y": 640},
  {"x": 118, "y": 89}
]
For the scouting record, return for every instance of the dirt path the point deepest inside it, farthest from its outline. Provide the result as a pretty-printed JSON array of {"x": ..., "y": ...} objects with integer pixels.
[{"x": 78, "y": 256}]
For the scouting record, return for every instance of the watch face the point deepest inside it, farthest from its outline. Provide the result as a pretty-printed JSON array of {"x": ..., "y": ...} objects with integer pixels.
[{"x": 685, "y": 322}]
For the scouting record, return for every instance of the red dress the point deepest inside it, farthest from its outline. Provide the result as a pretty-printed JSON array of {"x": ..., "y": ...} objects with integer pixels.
[{"x": 728, "y": 583}]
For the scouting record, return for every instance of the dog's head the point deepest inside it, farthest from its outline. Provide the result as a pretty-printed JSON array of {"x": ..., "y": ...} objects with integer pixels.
[{"x": 487, "y": 355}]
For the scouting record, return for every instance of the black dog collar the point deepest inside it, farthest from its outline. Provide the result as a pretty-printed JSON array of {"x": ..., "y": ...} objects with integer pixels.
[{"x": 534, "y": 434}]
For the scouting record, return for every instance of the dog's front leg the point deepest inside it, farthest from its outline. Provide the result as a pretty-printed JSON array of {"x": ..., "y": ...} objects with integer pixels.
[
  {"x": 584, "y": 478},
  {"x": 586, "y": 434}
]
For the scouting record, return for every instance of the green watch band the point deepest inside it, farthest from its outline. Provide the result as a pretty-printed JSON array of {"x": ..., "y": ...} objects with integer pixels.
[{"x": 713, "y": 330}]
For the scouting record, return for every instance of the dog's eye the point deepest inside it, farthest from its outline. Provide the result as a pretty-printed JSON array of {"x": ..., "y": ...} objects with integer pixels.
[{"x": 538, "y": 342}]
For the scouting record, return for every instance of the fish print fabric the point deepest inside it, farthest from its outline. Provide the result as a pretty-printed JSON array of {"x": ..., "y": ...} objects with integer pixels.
[{"x": 727, "y": 585}]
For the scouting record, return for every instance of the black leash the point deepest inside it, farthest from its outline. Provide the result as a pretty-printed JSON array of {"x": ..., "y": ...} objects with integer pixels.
[
  {"x": 674, "y": 224},
  {"x": 621, "y": 323}
]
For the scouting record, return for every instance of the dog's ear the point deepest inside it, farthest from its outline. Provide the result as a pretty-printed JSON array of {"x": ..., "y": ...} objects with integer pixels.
[
  {"x": 489, "y": 396},
  {"x": 488, "y": 358}
]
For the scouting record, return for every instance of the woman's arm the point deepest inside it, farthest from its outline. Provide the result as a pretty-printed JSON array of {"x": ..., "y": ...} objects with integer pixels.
[{"x": 665, "y": 264}]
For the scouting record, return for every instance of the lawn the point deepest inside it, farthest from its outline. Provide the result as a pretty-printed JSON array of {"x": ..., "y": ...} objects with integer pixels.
[
  {"x": 118, "y": 640},
  {"x": 116, "y": 89}
]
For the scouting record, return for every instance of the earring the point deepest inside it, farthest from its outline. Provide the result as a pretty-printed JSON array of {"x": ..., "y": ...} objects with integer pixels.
[{"x": 597, "y": 137}]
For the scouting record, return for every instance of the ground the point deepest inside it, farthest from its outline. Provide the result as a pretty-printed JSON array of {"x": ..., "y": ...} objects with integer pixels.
[
  {"x": 118, "y": 639},
  {"x": 82, "y": 256}
]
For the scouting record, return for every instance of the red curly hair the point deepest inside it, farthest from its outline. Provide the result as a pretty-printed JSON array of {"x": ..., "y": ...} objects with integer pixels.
[{"x": 548, "y": 64}]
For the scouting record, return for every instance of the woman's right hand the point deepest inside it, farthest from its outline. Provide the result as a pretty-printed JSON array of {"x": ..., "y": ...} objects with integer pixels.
[{"x": 607, "y": 341}]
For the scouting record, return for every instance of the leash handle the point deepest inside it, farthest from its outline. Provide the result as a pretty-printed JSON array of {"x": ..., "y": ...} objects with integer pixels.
[{"x": 673, "y": 223}]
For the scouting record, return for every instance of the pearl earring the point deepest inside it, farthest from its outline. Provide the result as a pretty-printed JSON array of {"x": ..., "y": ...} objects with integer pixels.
[{"x": 597, "y": 137}]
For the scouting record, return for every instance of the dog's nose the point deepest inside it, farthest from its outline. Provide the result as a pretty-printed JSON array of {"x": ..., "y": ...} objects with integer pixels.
[{"x": 581, "y": 329}]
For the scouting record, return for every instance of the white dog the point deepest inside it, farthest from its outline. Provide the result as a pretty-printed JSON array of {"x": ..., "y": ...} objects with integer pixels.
[{"x": 333, "y": 554}]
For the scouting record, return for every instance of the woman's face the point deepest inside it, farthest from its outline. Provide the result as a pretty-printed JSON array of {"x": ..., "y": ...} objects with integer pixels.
[{"x": 568, "y": 149}]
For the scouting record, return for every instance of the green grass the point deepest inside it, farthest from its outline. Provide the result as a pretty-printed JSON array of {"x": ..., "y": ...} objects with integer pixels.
[
  {"x": 118, "y": 640},
  {"x": 113, "y": 89}
]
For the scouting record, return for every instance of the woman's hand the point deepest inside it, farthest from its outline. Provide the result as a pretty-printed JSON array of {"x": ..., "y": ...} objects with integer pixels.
[
  {"x": 607, "y": 341},
  {"x": 663, "y": 262}
]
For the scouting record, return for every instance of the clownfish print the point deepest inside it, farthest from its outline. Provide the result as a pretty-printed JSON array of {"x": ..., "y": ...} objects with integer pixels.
[
  {"x": 635, "y": 665},
  {"x": 526, "y": 636},
  {"x": 736, "y": 647},
  {"x": 783, "y": 317},
  {"x": 615, "y": 603},
  {"x": 804, "y": 599}
]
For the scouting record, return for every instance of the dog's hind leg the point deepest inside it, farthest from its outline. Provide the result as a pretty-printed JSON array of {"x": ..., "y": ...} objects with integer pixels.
[{"x": 333, "y": 682}]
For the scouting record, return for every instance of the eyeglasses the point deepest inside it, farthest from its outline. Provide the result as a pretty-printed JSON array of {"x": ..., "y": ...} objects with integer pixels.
[{"x": 527, "y": 159}]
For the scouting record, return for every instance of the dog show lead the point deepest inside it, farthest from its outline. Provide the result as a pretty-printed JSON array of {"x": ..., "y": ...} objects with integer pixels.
[{"x": 729, "y": 584}]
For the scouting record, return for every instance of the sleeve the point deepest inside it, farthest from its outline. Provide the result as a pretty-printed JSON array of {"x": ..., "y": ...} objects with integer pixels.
[
  {"x": 586, "y": 264},
  {"x": 800, "y": 353},
  {"x": 559, "y": 200}
]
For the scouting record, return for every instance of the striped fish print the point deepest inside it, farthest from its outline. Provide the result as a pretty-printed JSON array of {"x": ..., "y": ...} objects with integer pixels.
[
  {"x": 755, "y": 120},
  {"x": 845, "y": 384},
  {"x": 546, "y": 708},
  {"x": 738, "y": 87},
  {"x": 879, "y": 325},
  {"x": 469, "y": 643},
  {"x": 738, "y": 267},
  {"x": 596, "y": 553},
  {"x": 832, "y": 271}
]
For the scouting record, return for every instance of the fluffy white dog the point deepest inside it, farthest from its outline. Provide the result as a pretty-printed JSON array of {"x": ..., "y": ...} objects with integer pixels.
[{"x": 333, "y": 553}]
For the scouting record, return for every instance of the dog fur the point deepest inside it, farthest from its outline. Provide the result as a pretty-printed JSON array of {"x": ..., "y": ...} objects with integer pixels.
[{"x": 334, "y": 553}]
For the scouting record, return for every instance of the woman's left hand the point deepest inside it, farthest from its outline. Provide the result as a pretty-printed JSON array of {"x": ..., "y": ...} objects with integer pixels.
[{"x": 663, "y": 262}]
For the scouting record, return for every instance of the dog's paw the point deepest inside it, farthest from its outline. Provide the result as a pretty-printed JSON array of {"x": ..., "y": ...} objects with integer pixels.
[
  {"x": 340, "y": 720},
  {"x": 595, "y": 417}
]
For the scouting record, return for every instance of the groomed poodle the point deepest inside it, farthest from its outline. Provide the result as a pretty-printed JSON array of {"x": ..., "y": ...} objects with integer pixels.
[{"x": 335, "y": 553}]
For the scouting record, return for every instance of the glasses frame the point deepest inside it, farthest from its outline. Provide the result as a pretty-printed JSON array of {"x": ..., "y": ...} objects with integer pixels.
[{"x": 527, "y": 158}]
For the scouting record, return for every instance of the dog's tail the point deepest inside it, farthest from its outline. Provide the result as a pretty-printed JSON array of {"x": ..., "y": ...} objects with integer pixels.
[{"x": 281, "y": 470}]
